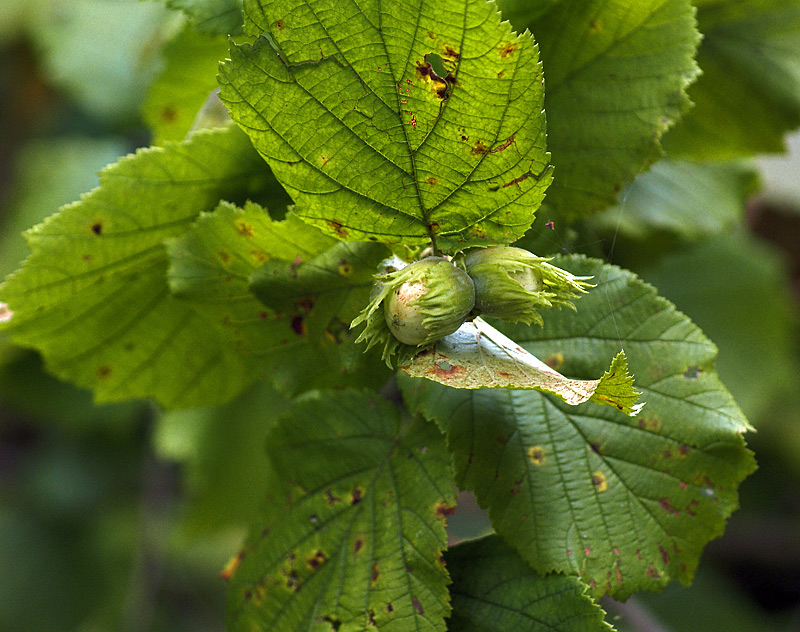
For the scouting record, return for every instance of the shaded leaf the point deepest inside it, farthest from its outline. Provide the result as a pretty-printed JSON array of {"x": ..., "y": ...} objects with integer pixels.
[
  {"x": 749, "y": 93},
  {"x": 479, "y": 356},
  {"x": 359, "y": 541},
  {"x": 625, "y": 503},
  {"x": 616, "y": 74},
  {"x": 494, "y": 590},
  {"x": 302, "y": 339},
  {"x": 189, "y": 77},
  {"x": 220, "y": 17},
  {"x": 691, "y": 200},
  {"x": 93, "y": 295},
  {"x": 402, "y": 122}
]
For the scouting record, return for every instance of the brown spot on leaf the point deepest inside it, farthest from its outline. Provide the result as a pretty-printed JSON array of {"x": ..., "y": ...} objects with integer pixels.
[
  {"x": 375, "y": 573},
  {"x": 298, "y": 325},
  {"x": 280, "y": 25},
  {"x": 330, "y": 498},
  {"x": 599, "y": 481},
  {"x": 516, "y": 488},
  {"x": 664, "y": 554},
  {"x": 417, "y": 605},
  {"x": 431, "y": 180},
  {"x": 652, "y": 572},
  {"x": 478, "y": 148},
  {"x": 506, "y": 50},
  {"x": 232, "y": 565},
  {"x": 244, "y": 229},
  {"x": 356, "y": 496},
  {"x": 443, "y": 510},
  {"x": 97, "y": 228},
  {"x": 666, "y": 505},
  {"x": 389, "y": 607},
  {"x": 103, "y": 371},
  {"x": 224, "y": 256},
  {"x": 317, "y": 559},
  {"x": 337, "y": 228},
  {"x": 451, "y": 53},
  {"x": 358, "y": 545},
  {"x": 169, "y": 114},
  {"x": 536, "y": 455}
]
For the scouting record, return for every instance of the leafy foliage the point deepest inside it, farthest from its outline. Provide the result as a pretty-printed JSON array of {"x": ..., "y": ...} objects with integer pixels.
[
  {"x": 358, "y": 531},
  {"x": 220, "y": 274},
  {"x": 494, "y": 590},
  {"x": 358, "y": 114},
  {"x": 554, "y": 479},
  {"x": 615, "y": 78},
  {"x": 749, "y": 94}
]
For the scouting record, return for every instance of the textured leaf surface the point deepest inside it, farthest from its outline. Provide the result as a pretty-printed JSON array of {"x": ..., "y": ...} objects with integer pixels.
[
  {"x": 749, "y": 93},
  {"x": 221, "y": 17},
  {"x": 189, "y": 77},
  {"x": 494, "y": 590},
  {"x": 690, "y": 199},
  {"x": 93, "y": 295},
  {"x": 359, "y": 542},
  {"x": 479, "y": 356},
  {"x": 302, "y": 339},
  {"x": 626, "y": 503},
  {"x": 395, "y": 122},
  {"x": 616, "y": 74}
]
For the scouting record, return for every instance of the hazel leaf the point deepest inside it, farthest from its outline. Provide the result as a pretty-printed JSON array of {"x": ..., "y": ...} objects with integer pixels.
[
  {"x": 356, "y": 529},
  {"x": 362, "y": 101},
  {"x": 479, "y": 356},
  {"x": 625, "y": 503}
]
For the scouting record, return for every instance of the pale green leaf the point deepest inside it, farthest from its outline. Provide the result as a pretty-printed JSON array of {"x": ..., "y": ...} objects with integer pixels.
[
  {"x": 615, "y": 75},
  {"x": 748, "y": 96},
  {"x": 495, "y": 591},
  {"x": 479, "y": 356},
  {"x": 344, "y": 102},
  {"x": 300, "y": 338},
  {"x": 220, "y": 17},
  {"x": 93, "y": 295},
  {"x": 692, "y": 200},
  {"x": 625, "y": 503},
  {"x": 189, "y": 76},
  {"x": 359, "y": 540}
]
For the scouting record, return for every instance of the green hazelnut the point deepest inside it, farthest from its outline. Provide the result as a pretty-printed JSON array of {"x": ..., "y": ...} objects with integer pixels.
[
  {"x": 432, "y": 301},
  {"x": 512, "y": 283},
  {"x": 416, "y": 305}
]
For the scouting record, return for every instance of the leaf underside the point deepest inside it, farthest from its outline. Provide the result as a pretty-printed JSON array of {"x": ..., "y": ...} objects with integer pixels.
[
  {"x": 479, "y": 356},
  {"x": 625, "y": 503},
  {"x": 414, "y": 122}
]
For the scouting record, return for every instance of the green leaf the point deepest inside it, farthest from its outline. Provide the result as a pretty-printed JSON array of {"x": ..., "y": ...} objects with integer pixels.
[
  {"x": 188, "y": 78},
  {"x": 749, "y": 93},
  {"x": 478, "y": 356},
  {"x": 219, "y": 17},
  {"x": 395, "y": 123},
  {"x": 93, "y": 295},
  {"x": 692, "y": 200},
  {"x": 301, "y": 338},
  {"x": 625, "y": 503},
  {"x": 495, "y": 591},
  {"x": 615, "y": 78},
  {"x": 358, "y": 542},
  {"x": 746, "y": 281}
]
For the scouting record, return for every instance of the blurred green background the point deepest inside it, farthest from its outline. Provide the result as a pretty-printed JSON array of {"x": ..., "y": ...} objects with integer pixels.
[{"x": 121, "y": 517}]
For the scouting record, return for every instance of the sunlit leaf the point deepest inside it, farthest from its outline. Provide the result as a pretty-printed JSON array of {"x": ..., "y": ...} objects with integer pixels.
[
  {"x": 479, "y": 356},
  {"x": 221, "y": 17},
  {"x": 359, "y": 540},
  {"x": 93, "y": 295},
  {"x": 626, "y": 503},
  {"x": 395, "y": 122}
]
